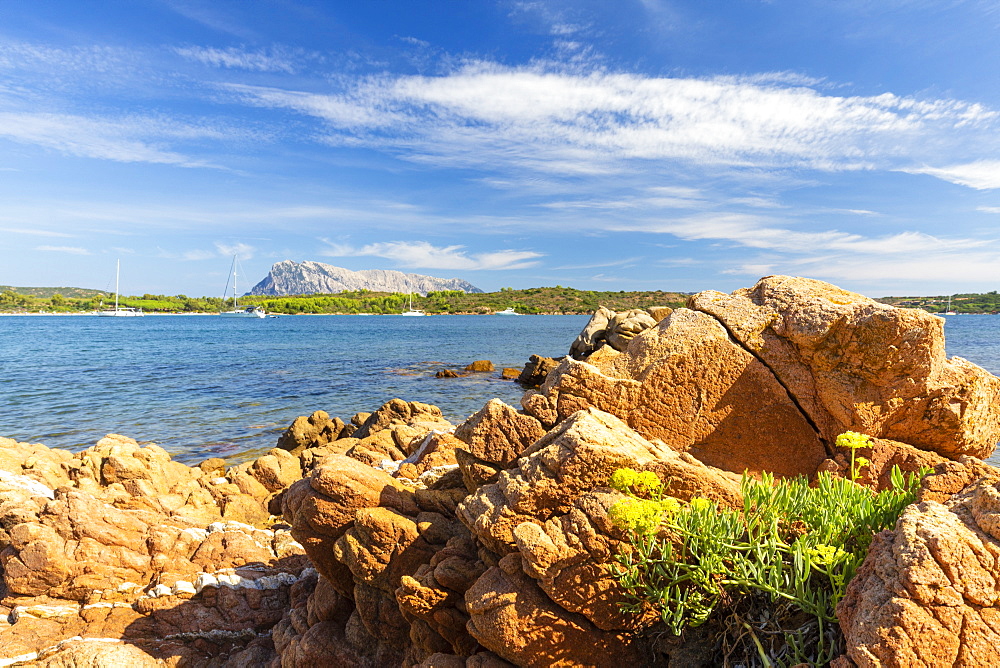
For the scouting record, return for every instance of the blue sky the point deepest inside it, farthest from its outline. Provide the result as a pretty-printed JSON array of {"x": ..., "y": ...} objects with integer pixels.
[{"x": 644, "y": 145}]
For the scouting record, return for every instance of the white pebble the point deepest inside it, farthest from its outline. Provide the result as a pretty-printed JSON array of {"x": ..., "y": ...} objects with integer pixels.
[
  {"x": 183, "y": 587},
  {"x": 205, "y": 580},
  {"x": 196, "y": 533},
  {"x": 227, "y": 580},
  {"x": 160, "y": 590}
]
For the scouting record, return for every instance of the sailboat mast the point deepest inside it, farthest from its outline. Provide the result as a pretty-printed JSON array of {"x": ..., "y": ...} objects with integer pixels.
[{"x": 118, "y": 268}]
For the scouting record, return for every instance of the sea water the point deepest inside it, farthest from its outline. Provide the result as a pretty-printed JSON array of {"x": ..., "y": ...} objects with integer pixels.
[{"x": 204, "y": 386}]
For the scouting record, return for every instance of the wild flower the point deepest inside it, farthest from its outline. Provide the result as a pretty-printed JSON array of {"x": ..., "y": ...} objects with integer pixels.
[
  {"x": 825, "y": 555},
  {"x": 698, "y": 503},
  {"x": 853, "y": 440},
  {"x": 647, "y": 483},
  {"x": 670, "y": 506},
  {"x": 638, "y": 516},
  {"x": 623, "y": 479},
  {"x": 772, "y": 573},
  {"x": 628, "y": 480}
]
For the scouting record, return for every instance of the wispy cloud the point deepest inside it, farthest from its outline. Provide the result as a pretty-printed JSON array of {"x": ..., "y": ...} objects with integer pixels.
[
  {"x": 567, "y": 122},
  {"x": 626, "y": 262},
  {"x": 35, "y": 232},
  {"x": 94, "y": 60},
  {"x": 121, "y": 140},
  {"x": 754, "y": 232},
  {"x": 941, "y": 268},
  {"x": 423, "y": 254},
  {"x": 242, "y": 250},
  {"x": 277, "y": 59},
  {"x": 72, "y": 250},
  {"x": 981, "y": 175}
]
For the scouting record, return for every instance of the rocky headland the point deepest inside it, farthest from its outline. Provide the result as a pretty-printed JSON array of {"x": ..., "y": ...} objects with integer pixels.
[
  {"x": 399, "y": 539},
  {"x": 306, "y": 278}
]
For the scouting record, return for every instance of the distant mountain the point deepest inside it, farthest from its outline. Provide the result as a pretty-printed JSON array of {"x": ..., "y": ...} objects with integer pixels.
[{"x": 303, "y": 278}]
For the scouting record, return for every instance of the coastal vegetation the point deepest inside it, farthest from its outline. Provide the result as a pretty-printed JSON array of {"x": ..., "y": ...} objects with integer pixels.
[
  {"x": 970, "y": 302},
  {"x": 545, "y": 300},
  {"x": 769, "y": 576}
]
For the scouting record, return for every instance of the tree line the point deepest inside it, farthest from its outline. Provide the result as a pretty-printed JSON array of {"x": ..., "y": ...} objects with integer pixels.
[{"x": 557, "y": 299}]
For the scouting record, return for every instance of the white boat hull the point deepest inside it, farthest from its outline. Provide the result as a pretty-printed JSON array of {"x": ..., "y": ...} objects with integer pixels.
[
  {"x": 248, "y": 313},
  {"x": 121, "y": 313},
  {"x": 413, "y": 313},
  {"x": 245, "y": 311}
]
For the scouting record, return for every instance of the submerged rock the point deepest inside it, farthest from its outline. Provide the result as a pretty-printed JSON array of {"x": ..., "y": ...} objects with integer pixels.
[
  {"x": 536, "y": 369},
  {"x": 480, "y": 366}
]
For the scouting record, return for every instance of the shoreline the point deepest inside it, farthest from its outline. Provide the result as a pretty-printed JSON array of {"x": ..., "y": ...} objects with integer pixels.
[
  {"x": 286, "y": 315},
  {"x": 283, "y": 556}
]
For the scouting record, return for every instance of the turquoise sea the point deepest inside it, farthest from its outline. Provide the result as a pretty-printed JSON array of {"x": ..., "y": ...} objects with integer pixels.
[{"x": 204, "y": 386}]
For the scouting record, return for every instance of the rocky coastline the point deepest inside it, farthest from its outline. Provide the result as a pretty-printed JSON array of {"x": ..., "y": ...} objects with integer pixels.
[{"x": 396, "y": 538}]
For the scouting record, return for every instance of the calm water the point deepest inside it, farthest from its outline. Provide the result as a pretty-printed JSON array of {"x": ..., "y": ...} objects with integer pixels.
[{"x": 203, "y": 386}]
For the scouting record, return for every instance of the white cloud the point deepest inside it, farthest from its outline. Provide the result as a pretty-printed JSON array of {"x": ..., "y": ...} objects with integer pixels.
[
  {"x": 750, "y": 269},
  {"x": 72, "y": 250},
  {"x": 34, "y": 232},
  {"x": 271, "y": 60},
  {"x": 241, "y": 250},
  {"x": 121, "y": 140},
  {"x": 754, "y": 232},
  {"x": 423, "y": 254},
  {"x": 89, "y": 59},
  {"x": 415, "y": 42},
  {"x": 567, "y": 122},
  {"x": 981, "y": 175},
  {"x": 938, "y": 268},
  {"x": 626, "y": 262}
]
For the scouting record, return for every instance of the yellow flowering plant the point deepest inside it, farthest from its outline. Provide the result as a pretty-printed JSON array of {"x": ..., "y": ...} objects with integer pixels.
[
  {"x": 853, "y": 441},
  {"x": 769, "y": 574}
]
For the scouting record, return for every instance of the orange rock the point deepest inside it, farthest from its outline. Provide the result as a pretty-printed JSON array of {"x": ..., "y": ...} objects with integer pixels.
[
  {"x": 512, "y": 617},
  {"x": 855, "y": 364},
  {"x": 498, "y": 433},
  {"x": 480, "y": 366},
  {"x": 313, "y": 431},
  {"x": 927, "y": 592},
  {"x": 686, "y": 383}
]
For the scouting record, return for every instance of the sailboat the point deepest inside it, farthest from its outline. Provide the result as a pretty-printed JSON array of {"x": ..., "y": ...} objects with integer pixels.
[
  {"x": 413, "y": 311},
  {"x": 120, "y": 311},
  {"x": 246, "y": 311},
  {"x": 949, "y": 311},
  {"x": 507, "y": 311}
]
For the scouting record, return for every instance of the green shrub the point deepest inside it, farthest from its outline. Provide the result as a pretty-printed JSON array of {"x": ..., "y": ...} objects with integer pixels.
[{"x": 767, "y": 577}]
